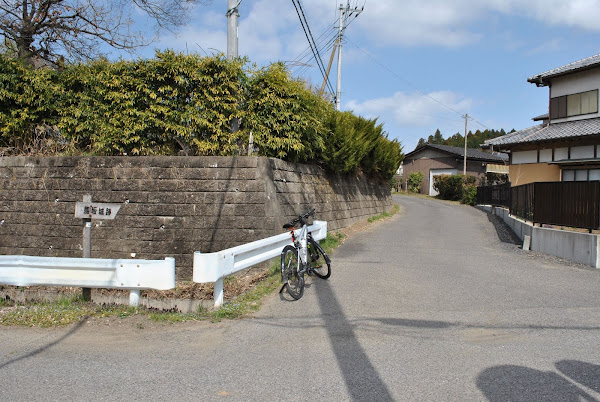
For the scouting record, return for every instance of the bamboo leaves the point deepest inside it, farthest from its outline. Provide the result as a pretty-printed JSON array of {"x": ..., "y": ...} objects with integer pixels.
[{"x": 186, "y": 104}]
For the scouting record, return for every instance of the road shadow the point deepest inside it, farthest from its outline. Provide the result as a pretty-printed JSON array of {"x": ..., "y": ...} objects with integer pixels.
[
  {"x": 75, "y": 328},
  {"x": 586, "y": 374},
  {"x": 362, "y": 379},
  {"x": 518, "y": 383}
]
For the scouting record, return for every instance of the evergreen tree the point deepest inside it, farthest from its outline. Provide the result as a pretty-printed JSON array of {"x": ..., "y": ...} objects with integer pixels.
[{"x": 474, "y": 140}]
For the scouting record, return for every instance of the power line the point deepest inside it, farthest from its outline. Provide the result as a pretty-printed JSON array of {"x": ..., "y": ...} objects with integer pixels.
[
  {"x": 309, "y": 37},
  {"x": 413, "y": 85},
  {"x": 324, "y": 43}
]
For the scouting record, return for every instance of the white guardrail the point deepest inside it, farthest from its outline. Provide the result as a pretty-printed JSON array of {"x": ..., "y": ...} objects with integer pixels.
[
  {"x": 131, "y": 274},
  {"x": 214, "y": 267}
]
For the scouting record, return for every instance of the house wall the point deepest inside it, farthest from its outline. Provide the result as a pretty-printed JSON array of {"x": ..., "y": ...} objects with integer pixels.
[
  {"x": 433, "y": 160},
  {"x": 529, "y": 164},
  {"x": 170, "y": 206},
  {"x": 532, "y": 172},
  {"x": 576, "y": 83}
]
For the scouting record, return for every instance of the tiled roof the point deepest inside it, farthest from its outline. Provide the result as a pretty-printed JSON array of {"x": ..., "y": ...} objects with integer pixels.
[
  {"x": 472, "y": 153},
  {"x": 544, "y": 116},
  {"x": 556, "y": 131},
  {"x": 569, "y": 68}
]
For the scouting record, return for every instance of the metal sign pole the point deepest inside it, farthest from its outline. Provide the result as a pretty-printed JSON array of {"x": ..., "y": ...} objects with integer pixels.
[
  {"x": 87, "y": 245},
  {"x": 88, "y": 211}
]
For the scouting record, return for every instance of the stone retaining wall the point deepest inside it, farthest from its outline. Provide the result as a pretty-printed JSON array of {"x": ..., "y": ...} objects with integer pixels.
[{"x": 170, "y": 206}]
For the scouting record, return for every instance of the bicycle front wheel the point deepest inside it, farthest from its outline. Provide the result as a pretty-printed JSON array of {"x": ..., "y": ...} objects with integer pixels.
[
  {"x": 290, "y": 272},
  {"x": 319, "y": 261}
]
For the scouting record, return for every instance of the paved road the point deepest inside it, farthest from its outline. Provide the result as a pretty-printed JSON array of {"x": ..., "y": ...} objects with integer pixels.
[{"x": 430, "y": 305}]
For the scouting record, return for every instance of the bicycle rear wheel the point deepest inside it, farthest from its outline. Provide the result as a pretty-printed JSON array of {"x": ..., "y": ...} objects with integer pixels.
[
  {"x": 290, "y": 274},
  {"x": 319, "y": 261}
]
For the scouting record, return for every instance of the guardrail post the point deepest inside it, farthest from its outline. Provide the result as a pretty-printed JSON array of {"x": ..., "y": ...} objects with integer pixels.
[
  {"x": 218, "y": 292},
  {"x": 134, "y": 297}
]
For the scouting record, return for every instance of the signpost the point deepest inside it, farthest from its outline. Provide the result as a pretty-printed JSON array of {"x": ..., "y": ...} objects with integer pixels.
[{"x": 87, "y": 210}]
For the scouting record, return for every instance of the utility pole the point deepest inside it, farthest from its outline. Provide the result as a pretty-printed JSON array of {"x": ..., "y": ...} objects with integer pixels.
[
  {"x": 466, "y": 116},
  {"x": 232, "y": 28},
  {"x": 232, "y": 42},
  {"x": 344, "y": 12}
]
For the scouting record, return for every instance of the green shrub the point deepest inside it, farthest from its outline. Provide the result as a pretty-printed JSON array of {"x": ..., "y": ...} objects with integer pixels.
[
  {"x": 414, "y": 181},
  {"x": 449, "y": 187},
  {"x": 456, "y": 188},
  {"x": 185, "y": 104}
]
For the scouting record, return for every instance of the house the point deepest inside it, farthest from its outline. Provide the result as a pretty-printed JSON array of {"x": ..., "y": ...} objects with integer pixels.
[
  {"x": 433, "y": 160},
  {"x": 566, "y": 145}
]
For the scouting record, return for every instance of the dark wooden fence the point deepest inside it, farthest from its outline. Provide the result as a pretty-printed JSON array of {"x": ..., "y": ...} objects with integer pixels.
[
  {"x": 498, "y": 195},
  {"x": 572, "y": 204}
]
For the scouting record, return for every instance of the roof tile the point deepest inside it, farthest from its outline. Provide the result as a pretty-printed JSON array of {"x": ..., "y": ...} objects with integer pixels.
[{"x": 541, "y": 132}]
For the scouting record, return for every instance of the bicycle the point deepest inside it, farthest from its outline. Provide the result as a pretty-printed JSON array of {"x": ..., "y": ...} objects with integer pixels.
[{"x": 304, "y": 256}]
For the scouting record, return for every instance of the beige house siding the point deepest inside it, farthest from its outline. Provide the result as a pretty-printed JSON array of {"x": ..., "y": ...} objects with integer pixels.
[{"x": 532, "y": 172}]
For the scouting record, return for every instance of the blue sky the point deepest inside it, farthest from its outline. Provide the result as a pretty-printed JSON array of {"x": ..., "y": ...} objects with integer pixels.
[{"x": 416, "y": 65}]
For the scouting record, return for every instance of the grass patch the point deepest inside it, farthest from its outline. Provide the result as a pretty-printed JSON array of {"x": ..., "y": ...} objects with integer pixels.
[
  {"x": 65, "y": 311},
  {"x": 385, "y": 214},
  {"x": 249, "y": 301}
]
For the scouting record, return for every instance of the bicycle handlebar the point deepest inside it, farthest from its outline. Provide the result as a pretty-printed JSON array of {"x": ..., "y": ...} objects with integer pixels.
[{"x": 300, "y": 219}]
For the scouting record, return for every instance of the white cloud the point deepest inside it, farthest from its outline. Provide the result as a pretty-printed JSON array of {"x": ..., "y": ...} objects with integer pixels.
[
  {"x": 424, "y": 22},
  {"x": 413, "y": 109},
  {"x": 271, "y": 31},
  {"x": 450, "y": 23},
  {"x": 583, "y": 14}
]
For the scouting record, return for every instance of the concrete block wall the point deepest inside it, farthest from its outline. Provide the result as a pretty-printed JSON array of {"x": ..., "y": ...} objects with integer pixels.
[{"x": 170, "y": 206}]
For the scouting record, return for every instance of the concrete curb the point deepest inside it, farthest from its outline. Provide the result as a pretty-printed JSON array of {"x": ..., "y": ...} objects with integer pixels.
[{"x": 578, "y": 247}]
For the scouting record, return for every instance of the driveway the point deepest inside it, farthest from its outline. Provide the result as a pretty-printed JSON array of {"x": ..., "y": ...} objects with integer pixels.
[{"x": 433, "y": 304}]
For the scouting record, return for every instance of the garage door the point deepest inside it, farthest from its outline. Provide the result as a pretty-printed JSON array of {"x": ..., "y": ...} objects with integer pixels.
[{"x": 438, "y": 172}]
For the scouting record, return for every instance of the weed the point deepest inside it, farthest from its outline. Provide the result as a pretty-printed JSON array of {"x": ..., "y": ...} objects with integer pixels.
[{"x": 384, "y": 214}]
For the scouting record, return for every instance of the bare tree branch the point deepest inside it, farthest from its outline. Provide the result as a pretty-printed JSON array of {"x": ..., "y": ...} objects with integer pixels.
[{"x": 54, "y": 30}]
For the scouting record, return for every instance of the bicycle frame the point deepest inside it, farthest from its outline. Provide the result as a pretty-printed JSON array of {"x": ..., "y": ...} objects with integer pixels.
[{"x": 301, "y": 243}]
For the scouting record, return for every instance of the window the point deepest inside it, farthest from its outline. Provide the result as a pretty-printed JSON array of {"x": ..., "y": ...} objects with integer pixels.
[
  {"x": 589, "y": 102},
  {"x": 568, "y": 175},
  {"x": 574, "y": 105},
  {"x": 580, "y": 174}
]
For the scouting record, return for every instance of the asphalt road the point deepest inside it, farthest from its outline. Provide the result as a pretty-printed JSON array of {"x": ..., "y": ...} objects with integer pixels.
[{"x": 431, "y": 305}]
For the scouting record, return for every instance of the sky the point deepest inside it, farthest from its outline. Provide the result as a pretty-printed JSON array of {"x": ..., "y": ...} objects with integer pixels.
[{"x": 415, "y": 65}]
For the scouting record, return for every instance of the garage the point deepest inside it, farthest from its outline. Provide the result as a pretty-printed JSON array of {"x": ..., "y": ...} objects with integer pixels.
[{"x": 438, "y": 172}]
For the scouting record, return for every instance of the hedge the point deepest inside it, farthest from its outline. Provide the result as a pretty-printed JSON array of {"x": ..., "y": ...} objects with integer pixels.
[{"x": 185, "y": 104}]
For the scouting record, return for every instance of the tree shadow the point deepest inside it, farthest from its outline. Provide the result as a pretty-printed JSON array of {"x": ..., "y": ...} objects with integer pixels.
[
  {"x": 75, "y": 328},
  {"x": 586, "y": 374},
  {"x": 518, "y": 383}
]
